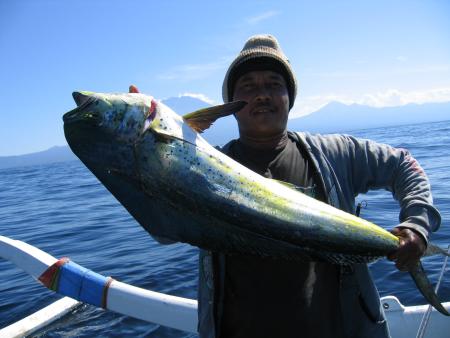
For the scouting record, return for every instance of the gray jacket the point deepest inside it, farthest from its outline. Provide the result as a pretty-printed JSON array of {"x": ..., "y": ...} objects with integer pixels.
[{"x": 345, "y": 167}]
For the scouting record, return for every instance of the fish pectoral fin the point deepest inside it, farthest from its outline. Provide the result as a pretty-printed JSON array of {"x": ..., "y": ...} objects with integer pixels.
[
  {"x": 162, "y": 135},
  {"x": 435, "y": 250},
  {"x": 202, "y": 119},
  {"x": 423, "y": 284}
]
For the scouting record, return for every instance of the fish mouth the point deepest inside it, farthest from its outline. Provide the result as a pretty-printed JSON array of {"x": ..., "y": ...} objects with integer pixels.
[
  {"x": 80, "y": 113},
  {"x": 80, "y": 98}
]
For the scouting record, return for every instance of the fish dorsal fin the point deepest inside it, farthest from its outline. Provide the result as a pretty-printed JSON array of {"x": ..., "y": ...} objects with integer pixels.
[{"x": 202, "y": 119}]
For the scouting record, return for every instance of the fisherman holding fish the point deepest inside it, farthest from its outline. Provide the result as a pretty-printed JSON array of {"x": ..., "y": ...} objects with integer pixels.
[
  {"x": 246, "y": 296},
  {"x": 278, "y": 258}
]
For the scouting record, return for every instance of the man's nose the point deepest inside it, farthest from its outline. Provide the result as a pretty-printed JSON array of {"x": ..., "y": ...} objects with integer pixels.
[{"x": 263, "y": 94}]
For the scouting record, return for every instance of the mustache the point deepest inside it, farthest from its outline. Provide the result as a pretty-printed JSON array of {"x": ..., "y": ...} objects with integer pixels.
[{"x": 262, "y": 105}]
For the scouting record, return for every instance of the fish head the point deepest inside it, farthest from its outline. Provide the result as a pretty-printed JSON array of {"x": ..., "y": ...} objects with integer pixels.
[
  {"x": 103, "y": 129},
  {"x": 118, "y": 137},
  {"x": 125, "y": 116},
  {"x": 121, "y": 115}
]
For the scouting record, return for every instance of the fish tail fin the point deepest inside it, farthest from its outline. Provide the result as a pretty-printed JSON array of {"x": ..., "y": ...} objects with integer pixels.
[
  {"x": 425, "y": 287},
  {"x": 435, "y": 250}
]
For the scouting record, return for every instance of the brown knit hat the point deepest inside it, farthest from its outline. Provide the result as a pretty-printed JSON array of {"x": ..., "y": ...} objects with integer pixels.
[{"x": 260, "y": 52}]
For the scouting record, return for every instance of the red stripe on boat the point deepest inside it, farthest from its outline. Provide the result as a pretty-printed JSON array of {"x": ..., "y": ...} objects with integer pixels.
[
  {"x": 48, "y": 276},
  {"x": 105, "y": 292}
]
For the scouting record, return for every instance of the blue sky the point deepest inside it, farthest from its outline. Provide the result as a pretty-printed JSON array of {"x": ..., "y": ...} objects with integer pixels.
[{"x": 378, "y": 53}]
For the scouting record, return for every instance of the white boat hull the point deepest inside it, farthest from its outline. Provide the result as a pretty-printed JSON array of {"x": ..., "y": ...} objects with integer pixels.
[
  {"x": 176, "y": 312},
  {"x": 404, "y": 321}
]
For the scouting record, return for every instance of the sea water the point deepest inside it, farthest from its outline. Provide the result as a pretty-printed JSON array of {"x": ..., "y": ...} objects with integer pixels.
[{"x": 62, "y": 208}]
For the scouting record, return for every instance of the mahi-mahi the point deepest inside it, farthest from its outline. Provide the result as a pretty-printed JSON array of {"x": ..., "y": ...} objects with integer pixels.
[{"x": 180, "y": 188}]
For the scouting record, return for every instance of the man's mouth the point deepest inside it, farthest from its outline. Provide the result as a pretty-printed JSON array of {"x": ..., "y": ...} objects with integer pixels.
[{"x": 262, "y": 110}]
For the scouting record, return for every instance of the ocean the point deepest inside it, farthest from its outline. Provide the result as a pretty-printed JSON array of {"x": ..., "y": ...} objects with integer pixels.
[{"x": 61, "y": 208}]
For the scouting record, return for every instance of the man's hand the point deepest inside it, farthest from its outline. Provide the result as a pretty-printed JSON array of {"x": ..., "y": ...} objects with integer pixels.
[{"x": 412, "y": 247}]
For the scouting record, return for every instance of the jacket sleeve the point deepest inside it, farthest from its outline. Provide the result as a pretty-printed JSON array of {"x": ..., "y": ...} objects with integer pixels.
[{"x": 375, "y": 166}]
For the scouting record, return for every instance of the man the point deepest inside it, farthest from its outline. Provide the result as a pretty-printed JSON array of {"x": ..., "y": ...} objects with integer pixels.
[{"x": 244, "y": 296}]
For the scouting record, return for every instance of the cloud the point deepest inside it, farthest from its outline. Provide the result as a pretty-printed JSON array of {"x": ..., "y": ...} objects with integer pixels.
[
  {"x": 199, "y": 96},
  {"x": 370, "y": 74},
  {"x": 261, "y": 17},
  {"x": 393, "y": 97},
  {"x": 401, "y": 58},
  {"x": 444, "y": 68},
  {"x": 388, "y": 98},
  {"x": 191, "y": 72}
]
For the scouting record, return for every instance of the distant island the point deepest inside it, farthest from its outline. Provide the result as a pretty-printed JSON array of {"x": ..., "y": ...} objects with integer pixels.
[
  {"x": 54, "y": 154},
  {"x": 333, "y": 118},
  {"x": 338, "y": 117}
]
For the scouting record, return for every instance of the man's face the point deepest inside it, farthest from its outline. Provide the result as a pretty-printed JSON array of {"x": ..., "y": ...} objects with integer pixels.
[{"x": 267, "y": 111}]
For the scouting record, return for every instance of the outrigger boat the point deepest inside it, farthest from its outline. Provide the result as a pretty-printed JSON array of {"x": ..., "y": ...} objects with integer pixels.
[{"x": 84, "y": 286}]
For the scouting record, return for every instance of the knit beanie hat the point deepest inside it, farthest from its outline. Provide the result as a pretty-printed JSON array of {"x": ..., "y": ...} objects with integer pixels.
[{"x": 260, "y": 52}]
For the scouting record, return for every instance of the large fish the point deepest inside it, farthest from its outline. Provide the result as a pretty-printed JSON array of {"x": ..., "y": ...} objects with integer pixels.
[{"x": 180, "y": 188}]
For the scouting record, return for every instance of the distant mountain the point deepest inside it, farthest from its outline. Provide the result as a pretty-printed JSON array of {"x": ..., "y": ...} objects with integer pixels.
[
  {"x": 335, "y": 117},
  {"x": 338, "y": 117},
  {"x": 54, "y": 154}
]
